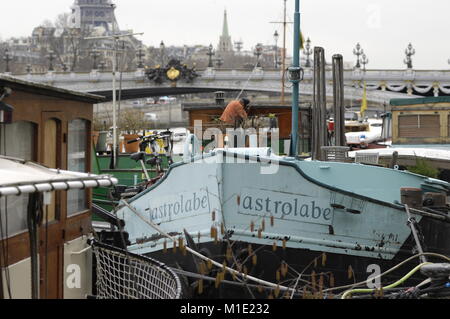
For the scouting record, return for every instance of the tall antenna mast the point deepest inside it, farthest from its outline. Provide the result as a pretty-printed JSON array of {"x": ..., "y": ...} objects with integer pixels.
[
  {"x": 295, "y": 77},
  {"x": 283, "y": 79},
  {"x": 115, "y": 37}
]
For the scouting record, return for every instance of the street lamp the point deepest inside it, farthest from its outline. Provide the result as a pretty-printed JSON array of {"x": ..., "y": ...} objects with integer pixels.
[
  {"x": 358, "y": 51},
  {"x": 95, "y": 54},
  {"x": 6, "y": 110},
  {"x": 140, "y": 54},
  {"x": 115, "y": 37},
  {"x": 276, "y": 36},
  {"x": 51, "y": 58},
  {"x": 102, "y": 66},
  {"x": 239, "y": 45},
  {"x": 219, "y": 62},
  {"x": 162, "y": 49},
  {"x": 7, "y": 58},
  {"x": 409, "y": 52},
  {"x": 210, "y": 55},
  {"x": 308, "y": 52},
  {"x": 258, "y": 53},
  {"x": 364, "y": 61}
]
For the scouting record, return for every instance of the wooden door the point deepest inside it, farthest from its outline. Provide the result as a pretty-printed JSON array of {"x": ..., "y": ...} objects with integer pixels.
[
  {"x": 50, "y": 237},
  {"x": 51, "y": 156}
]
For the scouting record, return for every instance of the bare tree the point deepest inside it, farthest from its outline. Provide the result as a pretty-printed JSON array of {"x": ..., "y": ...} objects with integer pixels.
[
  {"x": 133, "y": 121},
  {"x": 47, "y": 24},
  {"x": 74, "y": 42},
  {"x": 62, "y": 21}
]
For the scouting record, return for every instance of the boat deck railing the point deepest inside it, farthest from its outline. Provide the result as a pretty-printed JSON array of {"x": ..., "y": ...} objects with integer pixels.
[
  {"x": 336, "y": 154},
  {"x": 367, "y": 158}
]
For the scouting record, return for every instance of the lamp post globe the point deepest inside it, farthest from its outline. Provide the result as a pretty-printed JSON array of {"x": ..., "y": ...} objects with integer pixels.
[{"x": 276, "y": 36}]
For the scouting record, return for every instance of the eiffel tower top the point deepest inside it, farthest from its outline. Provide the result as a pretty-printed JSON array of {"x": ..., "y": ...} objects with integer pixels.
[{"x": 89, "y": 14}]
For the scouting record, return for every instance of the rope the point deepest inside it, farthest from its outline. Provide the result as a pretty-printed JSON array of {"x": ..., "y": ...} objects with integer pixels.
[
  {"x": 248, "y": 81},
  {"x": 124, "y": 242},
  {"x": 395, "y": 284},
  {"x": 227, "y": 282},
  {"x": 244, "y": 276},
  {"x": 412, "y": 224},
  {"x": 33, "y": 212},
  {"x": 388, "y": 271}
]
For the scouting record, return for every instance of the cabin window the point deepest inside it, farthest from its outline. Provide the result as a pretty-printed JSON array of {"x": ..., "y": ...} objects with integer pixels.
[
  {"x": 77, "y": 152},
  {"x": 419, "y": 126},
  {"x": 16, "y": 140},
  {"x": 448, "y": 126}
]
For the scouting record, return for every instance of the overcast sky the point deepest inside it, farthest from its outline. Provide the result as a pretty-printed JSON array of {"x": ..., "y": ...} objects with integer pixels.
[{"x": 383, "y": 27}]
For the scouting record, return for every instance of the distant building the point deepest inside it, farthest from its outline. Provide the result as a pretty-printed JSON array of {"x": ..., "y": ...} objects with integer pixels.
[{"x": 67, "y": 45}]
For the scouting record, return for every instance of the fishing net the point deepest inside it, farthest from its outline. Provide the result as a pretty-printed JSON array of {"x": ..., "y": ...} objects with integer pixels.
[{"x": 123, "y": 275}]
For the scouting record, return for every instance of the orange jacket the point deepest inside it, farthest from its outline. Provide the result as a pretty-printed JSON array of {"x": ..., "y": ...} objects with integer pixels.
[{"x": 233, "y": 111}]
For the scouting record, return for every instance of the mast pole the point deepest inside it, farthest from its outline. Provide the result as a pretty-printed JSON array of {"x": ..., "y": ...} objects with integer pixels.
[
  {"x": 114, "y": 62},
  {"x": 115, "y": 37},
  {"x": 284, "y": 56},
  {"x": 295, "y": 80}
]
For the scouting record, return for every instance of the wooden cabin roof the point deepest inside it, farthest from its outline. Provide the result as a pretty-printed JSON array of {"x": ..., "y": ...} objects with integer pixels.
[
  {"x": 48, "y": 90},
  {"x": 194, "y": 106},
  {"x": 425, "y": 100}
]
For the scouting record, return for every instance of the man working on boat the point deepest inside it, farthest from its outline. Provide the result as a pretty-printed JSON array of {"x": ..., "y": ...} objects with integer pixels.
[{"x": 235, "y": 112}]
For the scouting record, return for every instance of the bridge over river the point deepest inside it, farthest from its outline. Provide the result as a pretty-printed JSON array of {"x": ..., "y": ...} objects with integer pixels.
[{"x": 382, "y": 85}]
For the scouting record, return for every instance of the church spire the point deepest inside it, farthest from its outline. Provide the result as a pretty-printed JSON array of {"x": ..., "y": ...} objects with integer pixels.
[
  {"x": 225, "y": 32},
  {"x": 225, "y": 44}
]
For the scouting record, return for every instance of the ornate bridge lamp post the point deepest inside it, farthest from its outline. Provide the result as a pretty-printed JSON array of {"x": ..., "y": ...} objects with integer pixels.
[
  {"x": 358, "y": 51},
  {"x": 276, "y": 36},
  {"x": 140, "y": 55},
  {"x": 409, "y": 52},
  {"x": 258, "y": 53},
  {"x": 102, "y": 66},
  {"x": 7, "y": 58},
  {"x": 162, "y": 49},
  {"x": 364, "y": 61},
  {"x": 239, "y": 45},
  {"x": 219, "y": 62},
  {"x": 210, "y": 54},
  {"x": 51, "y": 58},
  {"x": 308, "y": 52},
  {"x": 95, "y": 54}
]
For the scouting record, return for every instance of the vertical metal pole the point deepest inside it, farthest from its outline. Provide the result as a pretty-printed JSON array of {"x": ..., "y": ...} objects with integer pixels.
[
  {"x": 319, "y": 110},
  {"x": 411, "y": 225},
  {"x": 315, "y": 147},
  {"x": 284, "y": 56},
  {"x": 33, "y": 231},
  {"x": 338, "y": 98},
  {"x": 114, "y": 66},
  {"x": 144, "y": 169},
  {"x": 169, "y": 124},
  {"x": 295, "y": 83}
]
